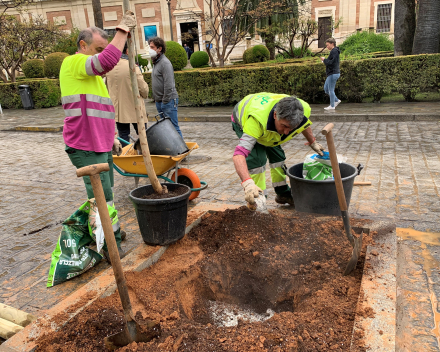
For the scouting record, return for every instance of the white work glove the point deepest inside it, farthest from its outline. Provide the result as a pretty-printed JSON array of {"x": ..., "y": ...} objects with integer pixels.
[
  {"x": 251, "y": 191},
  {"x": 127, "y": 23},
  {"x": 317, "y": 147},
  {"x": 117, "y": 147}
]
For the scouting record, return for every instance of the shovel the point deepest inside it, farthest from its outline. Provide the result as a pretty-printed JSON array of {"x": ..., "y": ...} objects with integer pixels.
[
  {"x": 133, "y": 331},
  {"x": 356, "y": 242}
]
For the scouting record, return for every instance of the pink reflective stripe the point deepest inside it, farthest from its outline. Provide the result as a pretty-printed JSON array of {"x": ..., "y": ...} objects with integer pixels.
[
  {"x": 75, "y": 105},
  {"x": 241, "y": 151},
  {"x": 98, "y": 106},
  {"x": 232, "y": 118},
  {"x": 108, "y": 59}
]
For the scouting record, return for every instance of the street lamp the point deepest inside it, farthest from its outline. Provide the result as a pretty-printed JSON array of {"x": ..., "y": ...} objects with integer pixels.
[{"x": 171, "y": 23}]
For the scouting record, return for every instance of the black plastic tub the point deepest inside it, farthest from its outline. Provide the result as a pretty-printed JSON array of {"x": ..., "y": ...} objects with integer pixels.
[
  {"x": 161, "y": 221},
  {"x": 163, "y": 139},
  {"x": 320, "y": 197}
]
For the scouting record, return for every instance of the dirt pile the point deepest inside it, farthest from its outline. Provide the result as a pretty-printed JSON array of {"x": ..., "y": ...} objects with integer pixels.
[{"x": 279, "y": 277}]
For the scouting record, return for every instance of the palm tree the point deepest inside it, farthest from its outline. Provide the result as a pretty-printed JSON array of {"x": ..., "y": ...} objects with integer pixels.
[
  {"x": 427, "y": 35},
  {"x": 404, "y": 26},
  {"x": 97, "y": 14}
]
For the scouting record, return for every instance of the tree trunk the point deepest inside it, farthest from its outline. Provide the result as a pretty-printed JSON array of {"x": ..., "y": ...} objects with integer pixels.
[
  {"x": 269, "y": 40},
  {"x": 404, "y": 26},
  {"x": 97, "y": 14},
  {"x": 426, "y": 38},
  {"x": 3, "y": 76}
]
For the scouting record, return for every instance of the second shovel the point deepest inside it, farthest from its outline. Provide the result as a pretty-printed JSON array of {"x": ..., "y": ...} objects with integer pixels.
[{"x": 356, "y": 242}]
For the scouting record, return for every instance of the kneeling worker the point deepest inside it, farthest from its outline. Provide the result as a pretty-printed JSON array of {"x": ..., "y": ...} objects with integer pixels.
[{"x": 263, "y": 122}]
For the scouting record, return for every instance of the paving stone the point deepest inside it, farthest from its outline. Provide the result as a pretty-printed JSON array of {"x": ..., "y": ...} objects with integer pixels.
[{"x": 39, "y": 188}]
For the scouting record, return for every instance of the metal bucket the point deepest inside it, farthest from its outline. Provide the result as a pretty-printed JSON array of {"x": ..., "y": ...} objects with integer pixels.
[
  {"x": 163, "y": 139},
  {"x": 320, "y": 197}
]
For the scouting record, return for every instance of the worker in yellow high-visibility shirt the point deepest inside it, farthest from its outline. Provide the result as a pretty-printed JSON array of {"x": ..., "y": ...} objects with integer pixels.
[{"x": 263, "y": 122}]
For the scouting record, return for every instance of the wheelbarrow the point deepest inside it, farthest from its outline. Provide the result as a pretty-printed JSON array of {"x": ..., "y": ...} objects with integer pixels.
[{"x": 130, "y": 164}]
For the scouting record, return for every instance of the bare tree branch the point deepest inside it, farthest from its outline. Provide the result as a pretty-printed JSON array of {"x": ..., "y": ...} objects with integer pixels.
[
  {"x": 31, "y": 39},
  {"x": 228, "y": 22}
]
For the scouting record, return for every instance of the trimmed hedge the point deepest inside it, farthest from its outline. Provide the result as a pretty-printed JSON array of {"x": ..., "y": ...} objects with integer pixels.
[
  {"x": 407, "y": 75},
  {"x": 257, "y": 53},
  {"x": 52, "y": 64},
  {"x": 45, "y": 93},
  {"x": 177, "y": 55},
  {"x": 33, "y": 68},
  {"x": 199, "y": 59}
]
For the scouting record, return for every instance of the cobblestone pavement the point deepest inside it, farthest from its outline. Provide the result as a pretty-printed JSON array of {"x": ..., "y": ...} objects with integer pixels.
[
  {"x": 39, "y": 189},
  {"x": 53, "y": 117}
]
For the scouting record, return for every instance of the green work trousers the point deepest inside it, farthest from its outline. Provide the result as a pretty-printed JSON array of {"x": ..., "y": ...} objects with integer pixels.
[
  {"x": 81, "y": 158},
  {"x": 256, "y": 163}
]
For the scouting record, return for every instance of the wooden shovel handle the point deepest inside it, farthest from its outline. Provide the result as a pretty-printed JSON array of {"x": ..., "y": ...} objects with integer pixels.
[
  {"x": 91, "y": 170},
  {"x": 327, "y": 129},
  {"x": 110, "y": 240}
]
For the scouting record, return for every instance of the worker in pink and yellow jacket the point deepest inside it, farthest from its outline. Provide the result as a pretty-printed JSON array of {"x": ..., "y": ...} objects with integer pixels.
[{"x": 89, "y": 126}]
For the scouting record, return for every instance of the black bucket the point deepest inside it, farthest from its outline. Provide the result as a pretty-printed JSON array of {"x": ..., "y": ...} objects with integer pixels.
[
  {"x": 161, "y": 221},
  {"x": 163, "y": 139},
  {"x": 320, "y": 197}
]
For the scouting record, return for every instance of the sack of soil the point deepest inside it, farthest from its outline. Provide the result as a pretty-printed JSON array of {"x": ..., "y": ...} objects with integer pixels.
[
  {"x": 319, "y": 168},
  {"x": 72, "y": 256}
]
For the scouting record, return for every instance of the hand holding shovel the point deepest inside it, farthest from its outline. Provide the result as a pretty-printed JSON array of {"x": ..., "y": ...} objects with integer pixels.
[{"x": 133, "y": 331}]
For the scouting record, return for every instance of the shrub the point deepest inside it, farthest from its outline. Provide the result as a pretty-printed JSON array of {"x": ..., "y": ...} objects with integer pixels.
[
  {"x": 52, "y": 64},
  {"x": 247, "y": 56},
  {"x": 33, "y": 68},
  {"x": 142, "y": 62},
  {"x": 199, "y": 59},
  {"x": 297, "y": 52},
  {"x": 257, "y": 53},
  {"x": 366, "y": 42},
  {"x": 45, "y": 93},
  {"x": 68, "y": 43},
  {"x": 408, "y": 75},
  {"x": 177, "y": 55}
]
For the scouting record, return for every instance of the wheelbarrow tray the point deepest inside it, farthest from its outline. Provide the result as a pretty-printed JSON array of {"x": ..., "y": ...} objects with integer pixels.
[{"x": 134, "y": 164}]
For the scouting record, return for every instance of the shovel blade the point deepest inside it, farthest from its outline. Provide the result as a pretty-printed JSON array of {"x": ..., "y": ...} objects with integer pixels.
[
  {"x": 133, "y": 332},
  {"x": 354, "y": 255}
]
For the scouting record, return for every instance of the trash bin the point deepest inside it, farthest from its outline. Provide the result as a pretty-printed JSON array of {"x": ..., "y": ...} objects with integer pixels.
[{"x": 26, "y": 97}]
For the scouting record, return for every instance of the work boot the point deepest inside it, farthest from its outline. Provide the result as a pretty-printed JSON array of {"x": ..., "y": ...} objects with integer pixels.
[
  {"x": 107, "y": 254},
  {"x": 123, "y": 235},
  {"x": 284, "y": 199}
]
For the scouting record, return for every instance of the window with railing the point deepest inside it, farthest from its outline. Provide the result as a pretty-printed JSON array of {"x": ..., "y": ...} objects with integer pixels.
[{"x": 383, "y": 18}]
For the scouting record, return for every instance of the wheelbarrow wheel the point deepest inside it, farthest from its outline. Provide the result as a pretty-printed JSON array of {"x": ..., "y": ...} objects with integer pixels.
[{"x": 189, "y": 178}]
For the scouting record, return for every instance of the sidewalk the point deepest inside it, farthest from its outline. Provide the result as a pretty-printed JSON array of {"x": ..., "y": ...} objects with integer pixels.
[
  {"x": 51, "y": 119},
  {"x": 39, "y": 189}
]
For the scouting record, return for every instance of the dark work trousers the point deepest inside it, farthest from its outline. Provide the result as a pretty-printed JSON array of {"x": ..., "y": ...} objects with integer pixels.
[{"x": 124, "y": 131}]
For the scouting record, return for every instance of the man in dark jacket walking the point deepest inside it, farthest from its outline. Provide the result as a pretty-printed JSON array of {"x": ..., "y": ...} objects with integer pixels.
[
  {"x": 332, "y": 71},
  {"x": 162, "y": 82}
]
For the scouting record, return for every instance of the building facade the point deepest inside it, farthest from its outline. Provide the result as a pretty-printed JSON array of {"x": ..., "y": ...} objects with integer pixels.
[
  {"x": 161, "y": 17},
  {"x": 353, "y": 15}
]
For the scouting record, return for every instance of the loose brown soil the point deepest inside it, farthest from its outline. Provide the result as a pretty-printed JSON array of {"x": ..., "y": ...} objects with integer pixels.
[
  {"x": 170, "y": 194},
  {"x": 291, "y": 265}
]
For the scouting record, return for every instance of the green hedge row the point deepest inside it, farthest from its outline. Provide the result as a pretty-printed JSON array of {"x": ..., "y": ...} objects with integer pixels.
[
  {"x": 407, "y": 75},
  {"x": 45, "y": 93}
]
